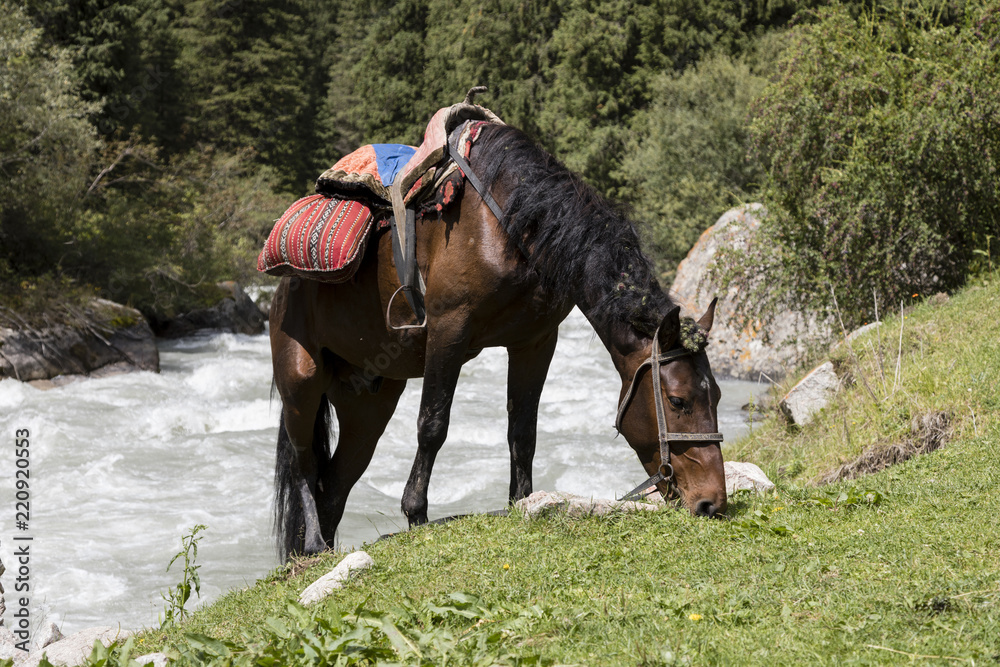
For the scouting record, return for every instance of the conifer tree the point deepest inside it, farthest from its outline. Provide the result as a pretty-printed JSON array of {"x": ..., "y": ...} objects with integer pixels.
[
  {"x": 247, "y": 61},
  {"x": 124, "y": 54}
]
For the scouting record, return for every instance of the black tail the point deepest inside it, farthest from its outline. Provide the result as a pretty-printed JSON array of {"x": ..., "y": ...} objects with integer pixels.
[{"x": 289, "y": 519}]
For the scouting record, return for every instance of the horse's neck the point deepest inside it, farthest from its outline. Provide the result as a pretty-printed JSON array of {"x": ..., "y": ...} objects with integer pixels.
[{"x": 622, "y": 341}]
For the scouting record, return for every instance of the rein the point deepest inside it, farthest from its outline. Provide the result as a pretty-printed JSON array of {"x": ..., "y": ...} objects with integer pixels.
[{"x": 665, "y": 437}]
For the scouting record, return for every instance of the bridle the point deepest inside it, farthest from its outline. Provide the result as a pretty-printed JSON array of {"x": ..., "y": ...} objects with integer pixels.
[{"x": 666, "y": 471}]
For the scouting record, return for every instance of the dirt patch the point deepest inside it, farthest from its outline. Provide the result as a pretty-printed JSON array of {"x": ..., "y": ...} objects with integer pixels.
[
  {"x": 928, "y": 432},
  {"x": 298, "y": 564}
]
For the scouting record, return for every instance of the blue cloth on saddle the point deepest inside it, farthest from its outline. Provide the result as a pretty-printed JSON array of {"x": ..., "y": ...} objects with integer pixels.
[{"x": 390, "y": 158}]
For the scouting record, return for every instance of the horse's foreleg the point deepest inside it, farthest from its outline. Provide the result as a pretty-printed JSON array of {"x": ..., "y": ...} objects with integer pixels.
[
  {"x": 445, "y": 355},
  {"x": 526, "y": 371},
  {"x": 362, "y": 418}
]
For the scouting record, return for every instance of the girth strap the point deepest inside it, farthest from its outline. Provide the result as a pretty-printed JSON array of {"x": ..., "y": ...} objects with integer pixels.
[{"x": 404, "y": 236}]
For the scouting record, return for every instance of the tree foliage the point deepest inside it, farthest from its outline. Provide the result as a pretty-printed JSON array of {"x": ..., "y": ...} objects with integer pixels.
[
  {"x": 146, "y": 145},
  {"x": 45, "y": 144},
  {"x": 247, "y": 75},
  {"x": 687, "y": 162},
  {"x": 882, "y": 145}
]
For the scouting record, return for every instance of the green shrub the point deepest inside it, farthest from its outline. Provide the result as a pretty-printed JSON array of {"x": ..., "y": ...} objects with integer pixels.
[
  {"x": 882, "y": 145},
  {"x": 688, "y": 161},
  {"x": 45, "y": 144}
]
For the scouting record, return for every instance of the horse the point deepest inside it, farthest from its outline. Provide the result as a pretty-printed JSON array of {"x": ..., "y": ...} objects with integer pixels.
[{"x": 490, "y": 282}]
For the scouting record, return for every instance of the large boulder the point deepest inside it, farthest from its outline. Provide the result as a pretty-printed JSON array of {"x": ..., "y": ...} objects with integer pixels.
[
  {"x": 100, "y": 339},
  {"x": 735, "y": 351},
  {"x": 234, "y": 312}
]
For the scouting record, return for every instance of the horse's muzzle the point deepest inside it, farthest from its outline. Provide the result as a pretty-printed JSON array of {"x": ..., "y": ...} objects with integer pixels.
[{"x": 707, "y": 508}]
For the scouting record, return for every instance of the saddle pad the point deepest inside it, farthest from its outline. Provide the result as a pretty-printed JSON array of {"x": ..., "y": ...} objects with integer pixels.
[
  {"x": 369, "y": 170},
  {"x": 318, "y": 237}
]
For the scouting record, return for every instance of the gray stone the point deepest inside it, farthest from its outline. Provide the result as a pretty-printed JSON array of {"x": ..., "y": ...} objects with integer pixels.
[
  {"x": 8, "y": 647},
  {"x": 740, "y": 351},
  {"x": 49, "y": 635},
  {"x": 863, "y": 330},
  {"x": 542, "y": 503},
  {"x": 234, "y": 312},
  {"x": 741, "y": 475},
  {"x": 74, "y": 649},
  {"x": 103, "y": 337},
  {"x": 154, "y": 659},
  {"x": 811, "y": 394},
  {"x": 346, "y": 568}
]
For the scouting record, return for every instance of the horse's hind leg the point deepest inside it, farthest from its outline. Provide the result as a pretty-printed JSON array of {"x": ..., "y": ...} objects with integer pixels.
[
  {"x": 296, "y": 466},
  {"x": 526, "y": 371},
  {"x": 362, "y": 418},
  {"x": 303, "y": 443}
]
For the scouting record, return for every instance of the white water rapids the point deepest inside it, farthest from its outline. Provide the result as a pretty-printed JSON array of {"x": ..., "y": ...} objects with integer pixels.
[{"x": 122, "y": 467}]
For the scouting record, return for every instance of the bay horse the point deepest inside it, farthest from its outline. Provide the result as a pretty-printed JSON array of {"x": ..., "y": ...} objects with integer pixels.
[{"x": 331, "y": 345}]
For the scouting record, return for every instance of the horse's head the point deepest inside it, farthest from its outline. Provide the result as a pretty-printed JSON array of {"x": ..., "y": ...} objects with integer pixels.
[{"x": 688, "y": 401}]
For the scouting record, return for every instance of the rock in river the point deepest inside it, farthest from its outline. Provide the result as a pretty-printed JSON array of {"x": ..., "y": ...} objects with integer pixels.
[
  {"x": 101, "y": 339},
  {"x": 234, "y": 312}
]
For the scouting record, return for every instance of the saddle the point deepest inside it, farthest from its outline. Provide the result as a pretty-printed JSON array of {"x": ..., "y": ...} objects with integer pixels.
[{"x": 323, "y": 236}]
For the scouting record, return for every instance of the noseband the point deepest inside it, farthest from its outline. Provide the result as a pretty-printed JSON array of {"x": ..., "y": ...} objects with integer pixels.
[{"x": 666, "y": 471}]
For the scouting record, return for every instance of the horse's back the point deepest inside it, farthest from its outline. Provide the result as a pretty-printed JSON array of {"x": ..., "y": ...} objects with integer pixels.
[{"x": 473, "y": 285}]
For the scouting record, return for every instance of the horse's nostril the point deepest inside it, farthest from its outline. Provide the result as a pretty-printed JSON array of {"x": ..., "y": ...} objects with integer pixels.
[{"x": 705, "y": 508}]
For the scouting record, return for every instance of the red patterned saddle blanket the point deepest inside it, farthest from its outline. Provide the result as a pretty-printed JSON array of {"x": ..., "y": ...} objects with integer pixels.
[{"x": 318, "y": 237}]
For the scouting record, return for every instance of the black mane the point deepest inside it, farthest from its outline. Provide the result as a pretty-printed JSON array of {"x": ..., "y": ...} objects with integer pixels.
[{"x": 580, "y": 242}]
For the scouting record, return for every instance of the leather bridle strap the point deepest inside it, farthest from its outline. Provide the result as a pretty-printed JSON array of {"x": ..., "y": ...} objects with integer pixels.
[
  {"x": 660, "y": 360},
  {"x": 665, "y": 437}
]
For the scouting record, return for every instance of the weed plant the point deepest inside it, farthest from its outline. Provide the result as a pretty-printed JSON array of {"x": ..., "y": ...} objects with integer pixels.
[{"x": 177, "y": 597}]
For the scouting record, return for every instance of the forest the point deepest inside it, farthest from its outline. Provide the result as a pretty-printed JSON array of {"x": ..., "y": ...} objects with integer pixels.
[{"x": 146, "y": 147}]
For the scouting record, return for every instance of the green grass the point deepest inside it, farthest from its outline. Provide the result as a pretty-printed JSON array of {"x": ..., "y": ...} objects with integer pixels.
[
  {"x": 898, "y": 567},
  {"x": 949, "y": 360}
]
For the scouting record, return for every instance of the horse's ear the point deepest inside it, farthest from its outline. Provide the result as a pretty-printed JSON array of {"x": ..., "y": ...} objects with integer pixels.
[
  {"x": 708, "y": 318},
  {"x": 669, "y": 328}
]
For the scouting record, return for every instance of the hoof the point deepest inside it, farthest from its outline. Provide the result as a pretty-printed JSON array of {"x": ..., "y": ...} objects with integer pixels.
[
  {"x": 313, "y": 547},
  {"x": 417, "y": 519}
]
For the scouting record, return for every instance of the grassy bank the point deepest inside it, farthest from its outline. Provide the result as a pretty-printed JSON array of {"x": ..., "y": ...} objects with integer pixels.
[{"x": 898, "y": 566}]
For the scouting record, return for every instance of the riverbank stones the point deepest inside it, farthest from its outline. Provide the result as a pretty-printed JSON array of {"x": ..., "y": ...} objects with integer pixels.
[
  {"x": 348, "y": 567},
  {"x": 811, "y": 394},
  {"x": 542, "y": 503},
  {"x": 74, "y": 649},
  {"x": 741, "y": 475}
]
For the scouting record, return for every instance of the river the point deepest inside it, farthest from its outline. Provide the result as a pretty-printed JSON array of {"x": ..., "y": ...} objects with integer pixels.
[{"x": 122, "y": 467}]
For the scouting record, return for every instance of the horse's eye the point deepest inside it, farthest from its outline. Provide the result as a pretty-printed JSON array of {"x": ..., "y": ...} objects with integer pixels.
[{"x": 677, "y": 402}]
